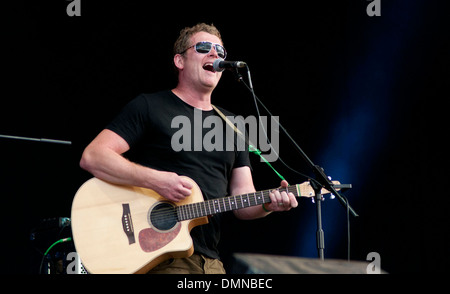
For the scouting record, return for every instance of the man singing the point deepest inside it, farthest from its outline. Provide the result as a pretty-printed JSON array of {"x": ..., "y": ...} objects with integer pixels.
[{"x": 144, "y": 129}]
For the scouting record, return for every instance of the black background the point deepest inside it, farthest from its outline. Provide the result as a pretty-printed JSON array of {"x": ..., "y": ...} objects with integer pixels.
[{"x": 324, "y": 67}]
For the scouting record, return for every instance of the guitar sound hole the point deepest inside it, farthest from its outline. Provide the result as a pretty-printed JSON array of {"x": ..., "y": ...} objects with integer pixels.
[{"x": 163, "y": 216}]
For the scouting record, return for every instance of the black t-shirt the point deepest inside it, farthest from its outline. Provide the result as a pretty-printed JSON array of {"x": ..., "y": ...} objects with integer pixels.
[{"x": 150, "y": 124}]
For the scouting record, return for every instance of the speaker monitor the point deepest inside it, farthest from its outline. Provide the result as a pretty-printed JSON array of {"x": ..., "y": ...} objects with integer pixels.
[{"x": 272, "y": 264}]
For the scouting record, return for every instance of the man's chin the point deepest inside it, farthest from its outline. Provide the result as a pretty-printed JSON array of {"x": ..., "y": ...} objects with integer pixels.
[{"x": 211, "y": 85}]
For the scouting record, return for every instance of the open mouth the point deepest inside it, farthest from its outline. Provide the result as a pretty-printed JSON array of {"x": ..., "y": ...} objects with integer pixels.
[{"x": 209, "y": 67}]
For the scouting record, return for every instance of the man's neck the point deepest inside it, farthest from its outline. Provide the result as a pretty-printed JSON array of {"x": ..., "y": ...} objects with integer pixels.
[{"x": 194, "y": 98}]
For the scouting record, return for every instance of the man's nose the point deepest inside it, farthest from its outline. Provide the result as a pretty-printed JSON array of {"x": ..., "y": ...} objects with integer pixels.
[{"x": 213, "y": 52}]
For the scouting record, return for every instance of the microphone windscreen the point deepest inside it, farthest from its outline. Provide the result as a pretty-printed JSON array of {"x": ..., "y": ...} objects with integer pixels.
[{"x": 216, "y": 65}]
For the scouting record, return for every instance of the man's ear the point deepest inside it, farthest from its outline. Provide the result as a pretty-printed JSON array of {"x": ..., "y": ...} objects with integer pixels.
[{"x": 178, "y": 60}]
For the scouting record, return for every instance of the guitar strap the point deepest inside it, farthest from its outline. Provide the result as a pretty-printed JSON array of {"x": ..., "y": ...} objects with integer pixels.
[
  {"x": 233, "y": 126},
  {"x": 251, "y": 147}
]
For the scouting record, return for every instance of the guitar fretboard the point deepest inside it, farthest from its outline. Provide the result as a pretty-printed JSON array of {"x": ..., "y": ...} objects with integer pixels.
[{"x": 214, "y": 206}]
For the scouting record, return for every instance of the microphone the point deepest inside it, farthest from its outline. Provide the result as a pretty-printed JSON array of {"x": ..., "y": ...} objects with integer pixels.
[{"x": 220, "y": 64}]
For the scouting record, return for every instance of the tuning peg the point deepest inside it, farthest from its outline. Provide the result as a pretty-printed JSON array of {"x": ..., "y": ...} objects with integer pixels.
[{"x": 321, "y": 198}]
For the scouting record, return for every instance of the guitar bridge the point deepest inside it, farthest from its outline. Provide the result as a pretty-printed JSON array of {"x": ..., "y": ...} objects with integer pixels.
[{"x": 127, "y": 223}]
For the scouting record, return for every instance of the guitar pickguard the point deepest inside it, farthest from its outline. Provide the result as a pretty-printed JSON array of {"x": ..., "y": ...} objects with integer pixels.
[{"x": 152, "y": 240}]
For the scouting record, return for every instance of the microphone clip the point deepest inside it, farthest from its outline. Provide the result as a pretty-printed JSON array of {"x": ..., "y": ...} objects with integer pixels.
[{"x": 237, "y": 75}]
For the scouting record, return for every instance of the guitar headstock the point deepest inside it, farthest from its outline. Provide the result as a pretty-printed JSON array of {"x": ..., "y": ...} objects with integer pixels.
[{"x": 306, "y": 190}]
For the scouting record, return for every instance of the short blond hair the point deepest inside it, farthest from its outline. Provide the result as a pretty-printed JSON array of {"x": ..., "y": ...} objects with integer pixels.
[{"x": 184, "y": 39}]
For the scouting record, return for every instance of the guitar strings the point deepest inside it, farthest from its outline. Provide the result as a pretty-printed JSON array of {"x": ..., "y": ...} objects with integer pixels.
[
  {"x": 193, "y": 208},
  {"x": 204, "y": 208},
  {"x": 199, "y": 209}
]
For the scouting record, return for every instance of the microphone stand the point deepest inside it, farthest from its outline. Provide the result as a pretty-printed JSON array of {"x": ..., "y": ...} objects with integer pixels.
[
  {"x": 43, "y": 140},
  {"x": 321, "y": 181}
]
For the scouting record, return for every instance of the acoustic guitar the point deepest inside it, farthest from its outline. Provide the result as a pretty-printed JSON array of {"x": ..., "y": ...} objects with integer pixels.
[{"x": 126, "y": 229}]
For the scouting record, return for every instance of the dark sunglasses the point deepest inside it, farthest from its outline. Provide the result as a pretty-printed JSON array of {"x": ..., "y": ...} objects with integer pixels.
[{"x": 205, "y": 48}]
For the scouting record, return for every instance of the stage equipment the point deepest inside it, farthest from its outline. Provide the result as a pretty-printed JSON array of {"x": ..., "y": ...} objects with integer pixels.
[
  {"x": 43, "y": 140},
  {"x": 246, "y": 263},
  {"x": 321, "y": 180}
]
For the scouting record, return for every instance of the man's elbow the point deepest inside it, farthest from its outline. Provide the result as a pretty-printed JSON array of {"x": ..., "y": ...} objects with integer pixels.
[{"x": 86, "y": 161}]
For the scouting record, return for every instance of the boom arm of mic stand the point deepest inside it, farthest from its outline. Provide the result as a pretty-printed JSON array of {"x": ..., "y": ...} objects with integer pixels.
[{"x": 318, "y": 171}]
